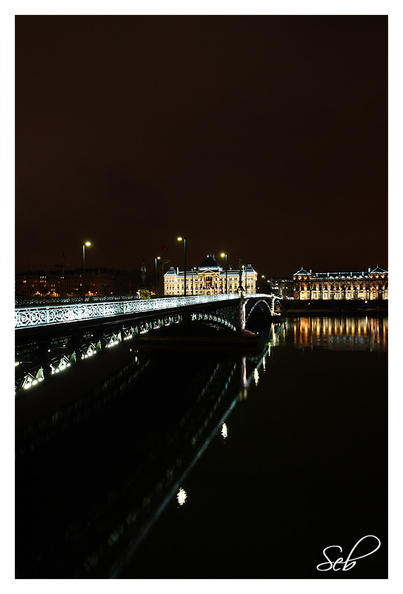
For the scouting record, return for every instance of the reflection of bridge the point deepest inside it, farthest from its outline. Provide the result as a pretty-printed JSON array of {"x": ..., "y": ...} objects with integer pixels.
[
  {"x": 158, "y": 441},
  {"x": 50, "y": 338}
]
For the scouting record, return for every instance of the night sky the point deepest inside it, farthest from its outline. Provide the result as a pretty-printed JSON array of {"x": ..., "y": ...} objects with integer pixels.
[{"x": 262, "y": 136}]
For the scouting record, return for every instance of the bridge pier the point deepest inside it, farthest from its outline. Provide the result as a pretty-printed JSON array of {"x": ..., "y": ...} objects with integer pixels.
[{"x": 241, "y": 322}]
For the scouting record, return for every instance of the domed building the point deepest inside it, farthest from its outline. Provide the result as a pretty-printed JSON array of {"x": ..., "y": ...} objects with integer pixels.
[
  {"x": 210, "y": 279},
  {"x": 210, "y": 263}
]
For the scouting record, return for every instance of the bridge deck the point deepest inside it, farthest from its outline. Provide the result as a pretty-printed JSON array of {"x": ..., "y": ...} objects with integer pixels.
[
  {"x": 28, "y": 317},
  {"x": 46, "y": 315}
]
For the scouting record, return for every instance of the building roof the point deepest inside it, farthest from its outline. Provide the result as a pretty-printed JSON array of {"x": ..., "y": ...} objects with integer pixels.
[
  {"x": 301, "y": 272},
  {"x": 339, "y": 275},
  {"x": 172, "y": 271},
  {"x": 209, "y": 263}
]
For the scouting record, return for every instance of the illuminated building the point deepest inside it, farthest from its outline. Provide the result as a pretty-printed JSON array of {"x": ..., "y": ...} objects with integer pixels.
[
  {"x": 210, "y": 279},
  {"x": 61, "y": 283},
  {"x": 369, "y": 285},
  {"x": 282, "y": 287}
]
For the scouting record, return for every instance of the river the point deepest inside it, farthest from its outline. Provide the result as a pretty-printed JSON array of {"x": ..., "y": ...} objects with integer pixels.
[{"x": 221, "y": 466}]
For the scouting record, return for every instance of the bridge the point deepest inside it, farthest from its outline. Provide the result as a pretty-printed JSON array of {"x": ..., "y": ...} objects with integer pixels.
[{"x": 51, "y": 338}]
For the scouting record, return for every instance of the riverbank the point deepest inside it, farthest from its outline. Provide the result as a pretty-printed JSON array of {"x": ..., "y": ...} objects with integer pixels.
[{"x": 334, "y": 307}]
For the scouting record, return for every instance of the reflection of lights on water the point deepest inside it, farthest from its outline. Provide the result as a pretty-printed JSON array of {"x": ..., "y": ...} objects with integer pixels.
[
  {"x": 264, "y": 364},
  {"x": 244, "y": 378},
  {"x": 256, "y": 376},
  {"x": 243, "y": 394},
  {"x": 181, "y": 496},
  {"x": 224, "y": 430}
]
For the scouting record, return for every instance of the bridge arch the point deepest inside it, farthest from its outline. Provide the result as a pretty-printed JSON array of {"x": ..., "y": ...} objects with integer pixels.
[{"x": 265, "y": 305}]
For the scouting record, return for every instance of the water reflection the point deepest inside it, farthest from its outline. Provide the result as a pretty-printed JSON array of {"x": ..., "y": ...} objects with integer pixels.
[
  {"x": 130, "y": 458},
  {"x": 347, "y": 333},
  {"x": 131, "y": 453},
  {"x": 181, "y": 496},
  {"x": 284, "y": 438},
  {"x": 224, "y": 430}
]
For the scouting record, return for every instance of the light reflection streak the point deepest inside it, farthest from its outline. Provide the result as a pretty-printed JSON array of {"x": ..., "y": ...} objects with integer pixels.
[
  {"x": 181, "y": 496},
  {"x": 176, "y": 491},
  {"x": 254, "y": 374},
  {"x": 244, "y": 378},
  {"x": 352, "y": 333}
]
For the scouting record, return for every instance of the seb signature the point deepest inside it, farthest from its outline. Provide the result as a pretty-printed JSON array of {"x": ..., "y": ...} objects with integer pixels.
[{"x": 345, "y": 565}]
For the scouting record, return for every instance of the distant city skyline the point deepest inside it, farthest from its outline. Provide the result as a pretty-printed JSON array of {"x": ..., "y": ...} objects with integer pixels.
[{"x": 260, "y": 136}]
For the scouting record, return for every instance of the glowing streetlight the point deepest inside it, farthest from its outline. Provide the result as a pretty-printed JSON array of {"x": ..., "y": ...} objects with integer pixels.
[
  {"x": 224, "y": 255},
  {"x": 184, "y": 239},
  {"x": 156, "y": 274},
  {"x": 85, "y": 245},
  {"x": 194, "y": 271},
  {"x": 263, "y": 282}
]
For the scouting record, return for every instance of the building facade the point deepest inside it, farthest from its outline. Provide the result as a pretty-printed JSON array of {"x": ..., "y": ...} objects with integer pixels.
[
  {"x": 282, "y": 287},
  {"x": 210, "y": 279},
  {"x": 69, "y": 283},
  {"x": 369, "y": 285}
]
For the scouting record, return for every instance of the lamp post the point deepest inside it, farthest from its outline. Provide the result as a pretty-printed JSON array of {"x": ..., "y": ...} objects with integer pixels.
[
  {"x": 85, "y": 245},
  {"x": 156, "y": 274},
  {"x": 223, "y": 255},
  {"x": 240, "y": 288},
  {"x": 184, "y": 239},
  {"x": 194, "y": 271}
]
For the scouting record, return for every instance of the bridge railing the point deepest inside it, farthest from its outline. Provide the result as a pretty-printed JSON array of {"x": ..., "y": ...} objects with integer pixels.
[
  {"x": 28, "y": 317},
  {"x": 42, "y": 301}
]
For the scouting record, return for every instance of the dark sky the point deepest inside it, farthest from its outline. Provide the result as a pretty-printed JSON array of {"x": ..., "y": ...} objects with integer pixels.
[{"x": 263, "y": 136}]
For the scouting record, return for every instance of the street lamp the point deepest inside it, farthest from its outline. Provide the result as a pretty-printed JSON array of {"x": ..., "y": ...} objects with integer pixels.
[
  {"x": 241, "y": 267},
  {"x": 194, "y": 271},
  {"x": 184, "y": 239},
  {"x": 223, "y": 255},
  {"x": 156, "y": 274},
  {"x": 85, "y": 245}
]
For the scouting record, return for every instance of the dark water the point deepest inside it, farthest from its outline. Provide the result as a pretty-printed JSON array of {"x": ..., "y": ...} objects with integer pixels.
[{"x": 302, "y": 466}]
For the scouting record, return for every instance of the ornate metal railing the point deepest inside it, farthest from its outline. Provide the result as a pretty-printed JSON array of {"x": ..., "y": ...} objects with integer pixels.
[
  {"x": 28, "y": 317},
  {"x": 42, "y": 301}
]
